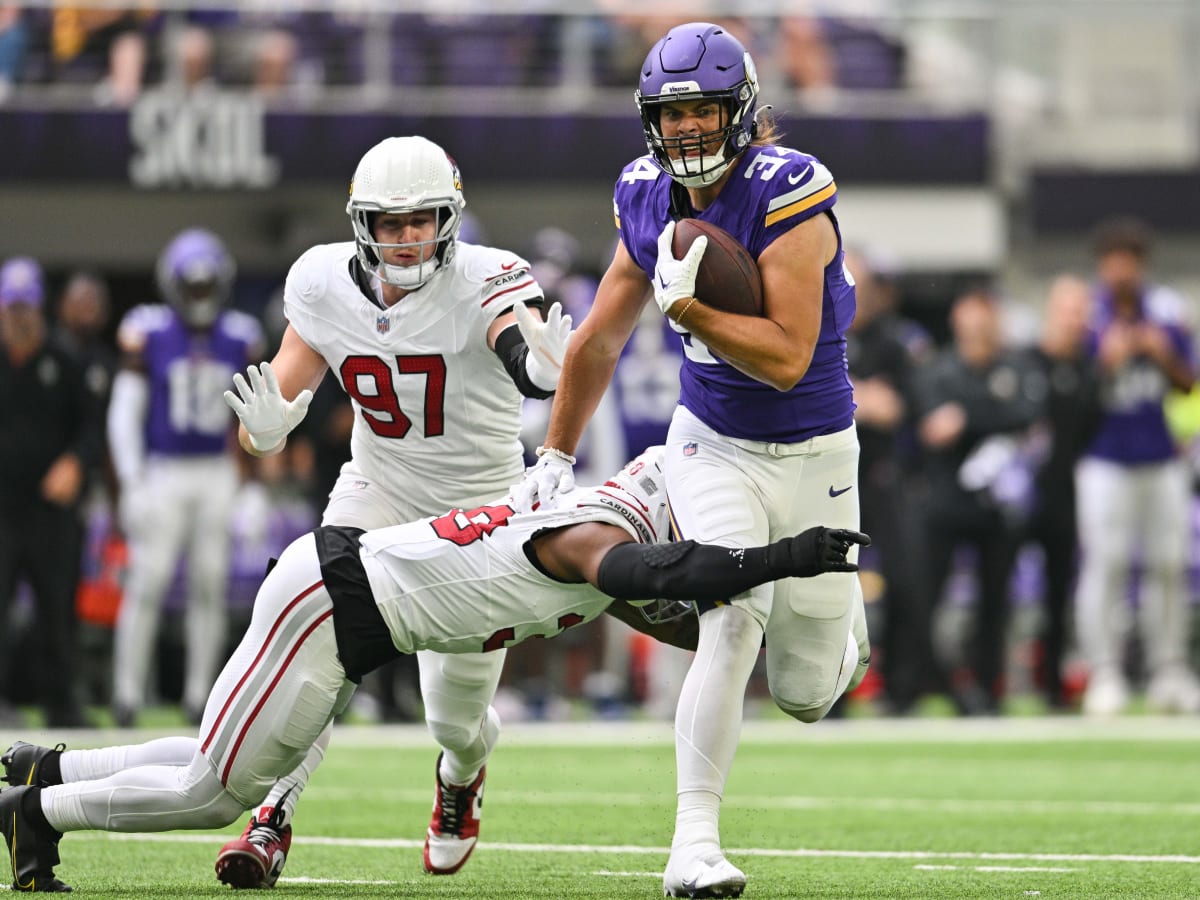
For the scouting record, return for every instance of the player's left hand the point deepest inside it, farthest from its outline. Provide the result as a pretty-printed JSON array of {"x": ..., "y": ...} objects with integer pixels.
[
  {"x": 675, "y": 279},
  {"x": 817, "y": 550},
  {"x": 551, "y": 475},
  {"x": 547, "y": 342}
]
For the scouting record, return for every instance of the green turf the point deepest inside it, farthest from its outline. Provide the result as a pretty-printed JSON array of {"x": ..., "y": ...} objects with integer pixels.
[{"x": 886, "y": 810}]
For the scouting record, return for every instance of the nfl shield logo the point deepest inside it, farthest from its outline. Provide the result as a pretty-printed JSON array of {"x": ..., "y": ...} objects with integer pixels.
[
  {"x": 689, "y": 449},
  {"x": 383, "y": 324}
]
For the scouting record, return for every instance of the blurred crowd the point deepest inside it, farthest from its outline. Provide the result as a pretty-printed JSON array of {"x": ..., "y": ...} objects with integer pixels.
[
  {"x": 1026, "y": 473},
  {"x": 118, "y": 52}
]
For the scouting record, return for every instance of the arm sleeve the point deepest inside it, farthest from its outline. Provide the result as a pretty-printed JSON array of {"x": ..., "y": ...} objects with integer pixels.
[
  {"x": 512, "y": 350},
  {"x": 126, "y": 420},
  {"x": 686, "y": 570}
]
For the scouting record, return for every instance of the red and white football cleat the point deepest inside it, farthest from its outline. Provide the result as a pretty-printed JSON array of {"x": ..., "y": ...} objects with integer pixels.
[
  {"x": 256, "y": 859},
  {"x": 454, "y": 829}
]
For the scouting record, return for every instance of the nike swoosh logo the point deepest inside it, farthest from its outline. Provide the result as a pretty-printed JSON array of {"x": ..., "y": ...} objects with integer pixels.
[
  {"x": 509, "y": 266},
  {"x": 662, "y": 282},
  {"x": 799, "y": 176},
  {"x": 833, "y": 493}
]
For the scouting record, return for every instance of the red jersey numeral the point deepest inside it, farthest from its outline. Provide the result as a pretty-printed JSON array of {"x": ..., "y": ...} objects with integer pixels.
[
  {"x": 501, "y": 638},
  {"x": 464, "y": 527},
  {"x": 380, "y": 395}
]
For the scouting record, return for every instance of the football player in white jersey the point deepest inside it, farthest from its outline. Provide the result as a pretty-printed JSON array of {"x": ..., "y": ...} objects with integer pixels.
[
  {"x": 432, "y": 339},
  {"x": 342, "y": 601}
]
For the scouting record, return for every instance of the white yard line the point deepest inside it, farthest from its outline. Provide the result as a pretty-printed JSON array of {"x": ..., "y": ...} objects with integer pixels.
[
  {"x": 1010, "y": 729},
  {"x": 745, "y": 801},
  {"x": 633, "y": 849}
]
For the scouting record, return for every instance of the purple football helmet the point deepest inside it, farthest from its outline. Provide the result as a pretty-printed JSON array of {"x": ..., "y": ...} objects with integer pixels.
[
  {"x": 195, "y": 275},
  {"x": 693, "y": 62}
]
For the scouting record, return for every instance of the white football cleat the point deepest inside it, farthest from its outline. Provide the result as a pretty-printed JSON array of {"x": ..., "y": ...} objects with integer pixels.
[
  {"x": 702, "y": 871},
  {"x": 1107, "y": 694},
  {"x": 454, "y": 829},
  {"x": 1174, "y": 690}
]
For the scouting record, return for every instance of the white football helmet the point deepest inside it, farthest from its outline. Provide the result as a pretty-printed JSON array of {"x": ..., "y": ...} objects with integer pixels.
[
  {"x": 403, "y": 175},
  {"x": 638, "y": 494}
]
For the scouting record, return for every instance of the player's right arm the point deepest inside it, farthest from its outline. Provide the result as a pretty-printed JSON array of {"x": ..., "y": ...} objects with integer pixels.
[
  {"x": 607, "y": 557},
  {"x": 298, "y": 368}
]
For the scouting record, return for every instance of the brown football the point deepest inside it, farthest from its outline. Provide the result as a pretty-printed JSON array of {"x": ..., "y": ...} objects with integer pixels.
[{"x": 728, "y": 279}]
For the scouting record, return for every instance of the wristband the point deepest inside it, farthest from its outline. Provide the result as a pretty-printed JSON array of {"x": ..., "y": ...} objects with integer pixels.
[{"x": 557, "y": 454}]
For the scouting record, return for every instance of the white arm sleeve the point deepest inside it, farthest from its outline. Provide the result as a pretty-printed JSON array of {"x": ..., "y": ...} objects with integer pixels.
[{"x": 127, "y": 423}]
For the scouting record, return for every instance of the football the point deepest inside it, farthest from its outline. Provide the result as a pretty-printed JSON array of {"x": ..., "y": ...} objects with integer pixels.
[{"x": 728, "y": 279}]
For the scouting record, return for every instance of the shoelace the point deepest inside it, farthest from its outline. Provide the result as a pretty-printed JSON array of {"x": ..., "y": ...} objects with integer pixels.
[
  {"x": 271, "y": 831},
  {"x": 455, "y": 802}
]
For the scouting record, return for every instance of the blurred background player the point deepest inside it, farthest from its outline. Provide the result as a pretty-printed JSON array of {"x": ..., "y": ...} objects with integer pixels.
[
  {"x": 169, "y": 436},
  {"x": 51, "y": 435},
  {"x": 763, "y": 440},
  {"x": 1069, "y": 417},
  {"x": 974, "y": 409},
  {"x": 433, "y": 342},
  {"x": 1134, "y": 486},
  {"x": 883, "y": 354}
]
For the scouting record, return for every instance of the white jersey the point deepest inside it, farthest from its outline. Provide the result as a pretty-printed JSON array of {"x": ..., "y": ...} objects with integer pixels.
[
  {"x": 436, "y": 413},
  {"x": 462, "y": 583}
]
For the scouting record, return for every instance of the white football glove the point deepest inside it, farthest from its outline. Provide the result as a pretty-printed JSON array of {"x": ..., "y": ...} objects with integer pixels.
[
  {"x": 674, "y": 278},
  {"x": 267, "y": 416},
  {"x": 551, "y": 475},
  {"x": 547, "y": 342}
]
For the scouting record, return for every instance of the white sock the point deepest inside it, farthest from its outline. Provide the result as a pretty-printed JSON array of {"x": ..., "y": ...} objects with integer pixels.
[
  {"x": 708, "y": 719},
  {"x": 459, "y": 767},
  {"x": 90, "y": 765}
]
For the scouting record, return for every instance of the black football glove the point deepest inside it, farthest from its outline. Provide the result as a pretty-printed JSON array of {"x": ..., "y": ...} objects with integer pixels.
[{"x": 815, "y": 551}]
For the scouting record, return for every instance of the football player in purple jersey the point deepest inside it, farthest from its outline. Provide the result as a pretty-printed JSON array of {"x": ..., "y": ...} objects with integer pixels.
[
  {"x": 1132, "y": 483},
  {"x": 762, "y": 442},
  {"x": 169, "y": 435}
]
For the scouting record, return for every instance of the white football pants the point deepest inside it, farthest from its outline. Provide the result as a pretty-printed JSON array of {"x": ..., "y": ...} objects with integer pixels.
[
  {"x": 272, "y": 702},
  {"x": 741, "y": 493},
  {"x": 189, "y": 506},
  {"x": 457, "y": 690},
  {"x": 1126, "y": 513}
]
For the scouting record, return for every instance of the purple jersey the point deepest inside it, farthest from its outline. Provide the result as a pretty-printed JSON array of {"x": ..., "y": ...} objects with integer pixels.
[
  {"x": 1134, "y": 428},
  {"x": 188, "y": 372},
  {"x": 771, "y": 190}
]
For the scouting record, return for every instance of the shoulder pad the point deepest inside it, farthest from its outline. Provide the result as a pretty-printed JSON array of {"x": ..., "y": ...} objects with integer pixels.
[
  {"x": 309, "y": 275},
  {"x": 139, "y": 323}
]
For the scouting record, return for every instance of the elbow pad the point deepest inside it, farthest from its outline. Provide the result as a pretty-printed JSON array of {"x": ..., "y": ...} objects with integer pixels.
[{"x": 512, "y": 350}]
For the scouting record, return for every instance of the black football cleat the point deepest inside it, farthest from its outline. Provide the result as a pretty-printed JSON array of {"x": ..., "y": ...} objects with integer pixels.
[
  {"x": 25, "y": 765},
  {"x": 32, "y": 850}
]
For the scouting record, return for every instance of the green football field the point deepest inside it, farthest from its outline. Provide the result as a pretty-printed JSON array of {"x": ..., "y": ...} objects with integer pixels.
[{"x": 1015, "y": 807}]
